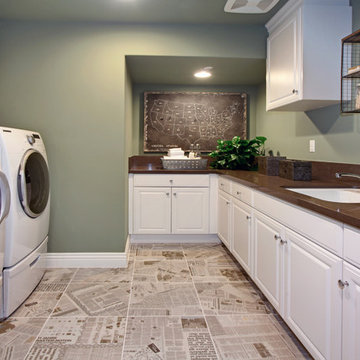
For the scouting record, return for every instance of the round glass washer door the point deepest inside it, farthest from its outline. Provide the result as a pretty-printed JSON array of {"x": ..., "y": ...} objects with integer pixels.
[{"x": 33, "y": 183}]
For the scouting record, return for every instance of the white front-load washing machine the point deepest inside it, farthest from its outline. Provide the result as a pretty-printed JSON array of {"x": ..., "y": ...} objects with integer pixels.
[
  {"x": 4, "y": 210},
  {"x": 24, "y": 162}
]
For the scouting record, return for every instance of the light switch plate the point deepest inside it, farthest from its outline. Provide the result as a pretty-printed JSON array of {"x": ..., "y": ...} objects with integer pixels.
[{"x": 312, "y": 145}]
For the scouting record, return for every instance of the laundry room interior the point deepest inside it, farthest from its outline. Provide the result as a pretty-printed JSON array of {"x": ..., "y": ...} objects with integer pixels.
[{"x": 75, "y": 75}]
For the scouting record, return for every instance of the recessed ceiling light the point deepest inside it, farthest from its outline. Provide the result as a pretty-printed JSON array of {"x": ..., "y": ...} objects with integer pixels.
[{"x": 204, "y": 72}]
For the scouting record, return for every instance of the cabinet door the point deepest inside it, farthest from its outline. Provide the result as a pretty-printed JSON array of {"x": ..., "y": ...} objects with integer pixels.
[
  {"x": 351, "y": 312},
  {"x": 151, "y": 211},
  {"x": 241, "y": 233},
  {"x": 190, "y": 210},
  {"x": 283, "y": 64},
  {"x": 268, "y": 259},
  {"x": 224, "y": 202},
  {"x": 313, "y": 298}
]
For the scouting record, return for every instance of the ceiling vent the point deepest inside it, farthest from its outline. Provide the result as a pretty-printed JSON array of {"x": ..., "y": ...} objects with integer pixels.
[{"x": 249, "y": 6}]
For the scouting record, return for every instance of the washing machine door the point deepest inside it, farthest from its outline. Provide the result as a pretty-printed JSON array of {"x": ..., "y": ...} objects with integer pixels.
[{"x": 33, "y": 183}]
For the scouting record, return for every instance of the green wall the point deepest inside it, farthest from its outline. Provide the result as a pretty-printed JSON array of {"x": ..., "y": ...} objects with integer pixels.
[
  {"x": 337, "y": 136},
  {"x": 138, "y": 111},
  {"x": 69, "y": 82}
]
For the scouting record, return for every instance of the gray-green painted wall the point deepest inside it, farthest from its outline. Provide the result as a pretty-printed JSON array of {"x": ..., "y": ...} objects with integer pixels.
[
  {"x": 138, "y": 111},
  {"x": 337, "y": 136},
  {"x": 68, "y": 81}
]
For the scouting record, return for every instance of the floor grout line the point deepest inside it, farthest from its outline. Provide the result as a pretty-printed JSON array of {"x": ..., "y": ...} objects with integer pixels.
[
  {"x": 129, "y": 302},
  {"x": 47, "y": 319},
  {"x": 202, "y": 309}
]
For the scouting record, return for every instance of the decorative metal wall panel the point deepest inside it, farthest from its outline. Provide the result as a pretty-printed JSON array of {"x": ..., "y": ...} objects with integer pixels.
[{"x": 178, "y": 119}]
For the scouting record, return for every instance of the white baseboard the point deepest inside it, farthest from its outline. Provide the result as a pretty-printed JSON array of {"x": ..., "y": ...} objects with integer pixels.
[
  {"x": 86, "y": 260},
  {"x": 171, "y": 239}
]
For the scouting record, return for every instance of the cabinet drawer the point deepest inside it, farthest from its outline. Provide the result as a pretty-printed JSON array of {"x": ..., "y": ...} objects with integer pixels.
[
  {"x": 320, "y": 229},
  {"x": 352, "y": 246},
  {"x": 241, "y": 193},
  {"x": 225, "y": 185},
  {"x": 178, "y": 180}
]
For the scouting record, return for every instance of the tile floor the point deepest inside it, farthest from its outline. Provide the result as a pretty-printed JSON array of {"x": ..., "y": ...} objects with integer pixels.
[{"x": 173, "y": 302}]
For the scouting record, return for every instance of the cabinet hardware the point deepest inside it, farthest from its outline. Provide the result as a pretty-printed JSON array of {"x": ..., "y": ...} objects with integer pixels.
[
  {"x": 174, "y": 194},
  {"x": 238, "y": 193},
  {"x": 342, "y": 284},
  {"x": 283, "y": 242},
  {"x": 221, "y": 184},
  {"x": 277, "y": 237},
  {"x": 294, "y": 91},
  {"x": 248, "y": 217},
  {"x": 171, "y": 181},
  {"x": 228, "y": 203},
  {"x": 167, "y": 194}
]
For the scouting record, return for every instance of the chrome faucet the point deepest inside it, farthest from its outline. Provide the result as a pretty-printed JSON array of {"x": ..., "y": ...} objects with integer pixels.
[{"x": 340, "y": 175}]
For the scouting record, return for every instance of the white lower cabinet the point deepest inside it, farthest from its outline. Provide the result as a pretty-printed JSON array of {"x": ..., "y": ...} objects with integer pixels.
[
  {"x": 241, "y": 233},
  {"x": 313, "y": 299},
  {"x": 297, "y": 259},
  {"x": 224, "y": 202},
  {"x": 152, "y": 206},
  {"x": 165, "y": 210},
  {"x": 268, "y": 259},
  {"x": 190, "y": 210},
  {"x": 300, "y": 279},
  {"x": 351, "y": 312}
]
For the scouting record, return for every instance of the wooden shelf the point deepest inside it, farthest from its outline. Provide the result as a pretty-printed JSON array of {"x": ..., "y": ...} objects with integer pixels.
[{"x": 353, "y": 75}]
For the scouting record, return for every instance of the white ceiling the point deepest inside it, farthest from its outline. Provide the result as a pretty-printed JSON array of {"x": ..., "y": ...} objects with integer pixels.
[{"x": 129, "y": 11}]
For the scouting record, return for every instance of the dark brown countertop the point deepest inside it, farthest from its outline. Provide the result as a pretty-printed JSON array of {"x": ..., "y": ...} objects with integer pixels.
[{"x": 323, "y": 177}]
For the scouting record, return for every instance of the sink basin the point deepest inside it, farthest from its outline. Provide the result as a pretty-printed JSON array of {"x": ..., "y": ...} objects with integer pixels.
[{"x": 341, "y": 195}]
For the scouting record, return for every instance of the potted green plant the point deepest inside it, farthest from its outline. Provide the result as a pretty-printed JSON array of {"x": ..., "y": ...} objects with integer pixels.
[{"x": 238, "y": 153}]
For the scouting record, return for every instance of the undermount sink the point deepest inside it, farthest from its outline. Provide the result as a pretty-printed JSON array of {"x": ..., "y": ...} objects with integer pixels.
[{"x": 340, "y": 195}]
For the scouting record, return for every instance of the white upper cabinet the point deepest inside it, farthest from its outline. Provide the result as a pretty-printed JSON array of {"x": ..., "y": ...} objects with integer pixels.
[{"x": 304, "y": 54}]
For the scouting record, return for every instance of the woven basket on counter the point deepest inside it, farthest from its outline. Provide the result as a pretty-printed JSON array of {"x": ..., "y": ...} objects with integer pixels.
[{"x": 184, "y": 164}]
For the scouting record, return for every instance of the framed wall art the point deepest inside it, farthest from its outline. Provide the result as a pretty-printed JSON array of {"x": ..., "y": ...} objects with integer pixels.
[{"x": 179, "y": 119}]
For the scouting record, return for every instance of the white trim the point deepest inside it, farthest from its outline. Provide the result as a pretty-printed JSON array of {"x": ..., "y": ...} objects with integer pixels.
[
  {"x": 86, "y": 260},
  {"x": 171, "y": 239}
]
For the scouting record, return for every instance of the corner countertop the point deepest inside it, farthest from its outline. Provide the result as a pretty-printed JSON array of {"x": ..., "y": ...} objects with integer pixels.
[{"x": 323, "y": 177}]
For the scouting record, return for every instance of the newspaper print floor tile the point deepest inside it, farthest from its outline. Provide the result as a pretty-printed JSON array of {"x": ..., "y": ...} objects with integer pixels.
[
  {"x": 249, "y": 337},
  {"x": 201, "y": 270},
  {"x": 55, "y": 280},
  {"x": 156, "y": 299},
  {"x": 161, "y": 271},
  {"x": 94, "y": 299},
  {"x": 241, "y": 325},
  {"x": 104, "y": 275},
  {"x": 58, "y": 275},
  {"x": 90, "y": 338},
  {"x": 38, "y": 304},
  {"x": 231, "y": 298},
  {"x": 168, "y": 338},
  {"x": 17, "y": 335}
]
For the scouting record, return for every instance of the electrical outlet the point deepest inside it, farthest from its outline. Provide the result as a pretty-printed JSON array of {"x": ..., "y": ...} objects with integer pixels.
[{"x": 312, "y": 145}]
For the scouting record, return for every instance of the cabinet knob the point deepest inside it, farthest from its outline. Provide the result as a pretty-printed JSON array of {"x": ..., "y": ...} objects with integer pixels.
[
  {"x": 248, "y": 217},
  {"x": 238, "y": 193},
  {"x": 283, "y": 242},
  {"x": 277, "y": 237},
  {"x": 167, "y": 194},
  {"x": 228, "y": 203},
  {"x": 342, "y": 284},
  {"x": 294, "y": 91},
  {"x": 221, "y": 184},
  {"x": 174, "y": 194}
]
